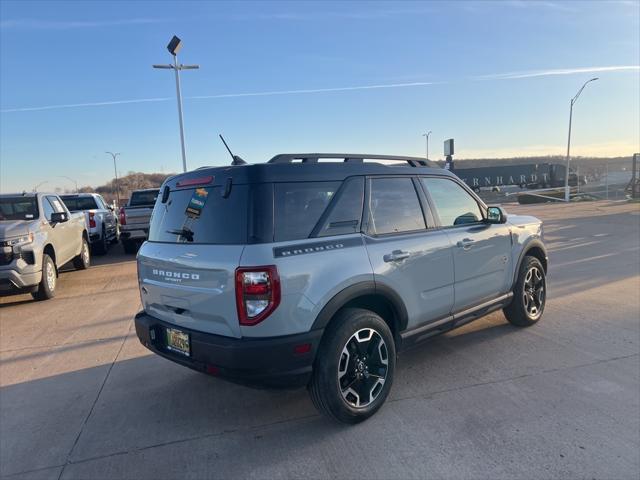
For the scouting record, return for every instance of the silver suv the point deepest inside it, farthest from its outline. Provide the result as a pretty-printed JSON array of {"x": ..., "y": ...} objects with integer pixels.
[{"x": 305, "y": 272}]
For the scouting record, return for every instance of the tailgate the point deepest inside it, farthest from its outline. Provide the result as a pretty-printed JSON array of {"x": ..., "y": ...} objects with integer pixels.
[
  {"x": 191, "y": 285},
  {"x": 138, "y": 215}
]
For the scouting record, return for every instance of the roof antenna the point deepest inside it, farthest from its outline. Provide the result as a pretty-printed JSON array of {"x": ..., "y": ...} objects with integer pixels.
[{"x": 235, "y": 160}]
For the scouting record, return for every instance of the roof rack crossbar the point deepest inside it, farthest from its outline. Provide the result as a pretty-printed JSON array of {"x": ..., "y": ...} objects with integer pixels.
[{"x": 347, "y": 158}]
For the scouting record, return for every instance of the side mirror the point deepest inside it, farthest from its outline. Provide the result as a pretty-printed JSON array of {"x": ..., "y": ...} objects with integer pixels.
[
  {"x": 59, "y": 217},
  {"x": 496, "y": 215}
]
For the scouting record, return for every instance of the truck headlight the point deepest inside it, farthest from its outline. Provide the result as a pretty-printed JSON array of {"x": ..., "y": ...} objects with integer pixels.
[{"x": 19, "y": 241}]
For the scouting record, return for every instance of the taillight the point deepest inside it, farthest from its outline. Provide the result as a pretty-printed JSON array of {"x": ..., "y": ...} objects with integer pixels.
[
  {"x": 123, "y": 217},
  {"x": 92, "y": 220},
  {"x": 257, "y": 293}
]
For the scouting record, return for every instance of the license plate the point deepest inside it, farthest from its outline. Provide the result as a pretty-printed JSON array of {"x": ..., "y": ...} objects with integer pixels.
[{"x": 178, "y": 341}]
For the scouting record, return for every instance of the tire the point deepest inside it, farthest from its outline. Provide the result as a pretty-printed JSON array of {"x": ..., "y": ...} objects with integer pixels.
[
  {"x": 102, "y": 245},
  {"x": 355, "y": 343},
  {"x": 129, "y": 247},
  {"x": 529, "y": 294},
  {"x": 47, "y": 285},
  {"x": 116, "y": 235},
  {"x": 83, "y": 260}
]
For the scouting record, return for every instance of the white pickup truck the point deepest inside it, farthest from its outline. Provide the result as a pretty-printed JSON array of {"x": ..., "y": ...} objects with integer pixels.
[
  {"x": 38, "y": 235},
  {"x": 135, "y": 217},
  {"x": 101, "y": 220}
]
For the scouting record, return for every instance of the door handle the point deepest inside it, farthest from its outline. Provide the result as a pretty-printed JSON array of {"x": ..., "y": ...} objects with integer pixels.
[
  {"x": 465, "y": 243},
  {"x": 396, "y": 256}
]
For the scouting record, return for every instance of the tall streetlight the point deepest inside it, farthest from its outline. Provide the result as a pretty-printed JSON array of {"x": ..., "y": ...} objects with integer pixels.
[
  {"x": 35, "y": 189},
  {"x": 70, "y": 179},
  {"x": 566, "y": 175},
  {"x": 426, "y": 136},
  {"x": 115, "y": 170},
  {"x": 174, "y": 47}
]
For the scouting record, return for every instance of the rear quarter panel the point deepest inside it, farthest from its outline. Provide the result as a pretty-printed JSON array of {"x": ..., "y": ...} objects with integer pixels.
[{"x": 311, "y": 271}]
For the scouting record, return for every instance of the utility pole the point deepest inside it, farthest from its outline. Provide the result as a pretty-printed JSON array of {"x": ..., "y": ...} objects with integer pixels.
[
  {"x": 115, "y": 170},
  {"x": 426, "y": 136},
  {"x": 174, "y": 47},
  {"x": 566, "y": 175}
]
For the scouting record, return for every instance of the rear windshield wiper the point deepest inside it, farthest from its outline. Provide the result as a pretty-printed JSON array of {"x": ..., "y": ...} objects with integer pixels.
[{"x": 184, "y": 232}]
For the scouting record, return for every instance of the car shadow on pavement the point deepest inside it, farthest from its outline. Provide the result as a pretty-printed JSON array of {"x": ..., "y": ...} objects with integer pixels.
[{"x": 148, "y": 401}]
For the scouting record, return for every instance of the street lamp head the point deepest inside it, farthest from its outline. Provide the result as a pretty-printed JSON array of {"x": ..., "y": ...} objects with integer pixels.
[{"x": 174, "y": 46}]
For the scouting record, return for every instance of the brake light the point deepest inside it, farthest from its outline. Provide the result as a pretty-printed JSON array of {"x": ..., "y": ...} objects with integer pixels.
[
  {"x": 92, "y": 220},
  {"x": 195, "y": 181},
  {"x": 257, "y": 293},
  {"x": 123, "y": 217}
]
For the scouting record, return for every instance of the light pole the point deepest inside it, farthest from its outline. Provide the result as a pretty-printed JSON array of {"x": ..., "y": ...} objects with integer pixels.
[
  {"x": 174, "y": 47},
  {"x": 566, "y": 175},
  {"x": 35, "y": 189},
  {"x": 115, "y": 170},
  {"x": 426, "y": 136},
  {"x": 70, "y": 179}
]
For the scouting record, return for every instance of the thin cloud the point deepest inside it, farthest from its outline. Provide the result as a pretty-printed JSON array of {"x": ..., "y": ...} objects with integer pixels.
[
  {"x": 496, "y": 76},
  {"x": 29, "y": 23},
  {"x": 79, "y": 105},
  {"x": 558, "y": 71},
  {"x": 314, "y": 90},
  {"x": 538, "y": 4},
  {"x": 224, "y": 95}
]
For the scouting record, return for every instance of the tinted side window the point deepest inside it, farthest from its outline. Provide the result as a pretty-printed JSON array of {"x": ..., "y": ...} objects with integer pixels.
[
  {"x": 47, "y": 209},
  {"x": 346, "y": 213},
  {"x": 394, "y": 206},
  {"x": 298, "y": 207},
  {"x": 452, "y": 202}
]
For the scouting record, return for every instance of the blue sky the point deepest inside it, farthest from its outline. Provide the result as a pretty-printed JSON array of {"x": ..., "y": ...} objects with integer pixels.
[{"x": 496, "y": 76}]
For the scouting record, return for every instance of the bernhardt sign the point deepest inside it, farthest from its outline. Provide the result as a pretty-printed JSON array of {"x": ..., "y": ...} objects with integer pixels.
[{"x": 505, "y": 180}]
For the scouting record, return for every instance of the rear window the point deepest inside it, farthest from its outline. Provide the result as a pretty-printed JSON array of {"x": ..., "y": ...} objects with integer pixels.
[
  {"x": 298, "y": 207},
  {"x": 141, "y": 199},
  {"x": 201, "y": 215},
  {"x": 79, "y": 203},
  {"x": 18, "y": 208}
]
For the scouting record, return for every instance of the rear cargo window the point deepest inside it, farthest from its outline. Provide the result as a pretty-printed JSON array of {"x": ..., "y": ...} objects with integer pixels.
[
  {"x": 201, "y": 215},
  {"x": 75, "y": 204},
  {"x": 298, "y": 207},
  {"x": 139, "y": 199}
]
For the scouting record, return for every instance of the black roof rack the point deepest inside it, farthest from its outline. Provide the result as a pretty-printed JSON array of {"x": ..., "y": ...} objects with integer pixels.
[{"x": 347, "y": 158}]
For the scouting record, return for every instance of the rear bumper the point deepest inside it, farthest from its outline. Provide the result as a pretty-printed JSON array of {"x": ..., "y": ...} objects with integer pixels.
[
  {"x": 137, "y": 234},
  {"x": 261, "y": 362}
]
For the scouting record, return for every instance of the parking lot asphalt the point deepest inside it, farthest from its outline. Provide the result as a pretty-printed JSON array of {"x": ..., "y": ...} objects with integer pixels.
[{"x": 81, "y": 398}]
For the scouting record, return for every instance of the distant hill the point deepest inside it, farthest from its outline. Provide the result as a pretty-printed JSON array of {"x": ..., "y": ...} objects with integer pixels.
[{"x": 128, "y": 183}]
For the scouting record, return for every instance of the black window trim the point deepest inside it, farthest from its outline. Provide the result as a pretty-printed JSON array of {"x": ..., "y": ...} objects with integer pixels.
[
  {"x": 315, "y": 232},
  {"x": 366, "y": 214},
  {"x": 465, "y": 187}
]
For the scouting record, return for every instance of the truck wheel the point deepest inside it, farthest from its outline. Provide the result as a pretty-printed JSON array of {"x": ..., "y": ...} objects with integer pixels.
[
  {"x": 47, "y": 285},
  {"x": 83, "y": 260},
  {"x": 354, "y": 367},
  {"x": 102, "y": 245},
  {"x": 116, "y": 235},
  {"x": 529, "y": 294},
  {"x": 129, "y": 247}
]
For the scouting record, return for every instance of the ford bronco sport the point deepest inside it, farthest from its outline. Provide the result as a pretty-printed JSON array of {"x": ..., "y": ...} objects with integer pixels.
[{"x": 306, "y": 272}]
